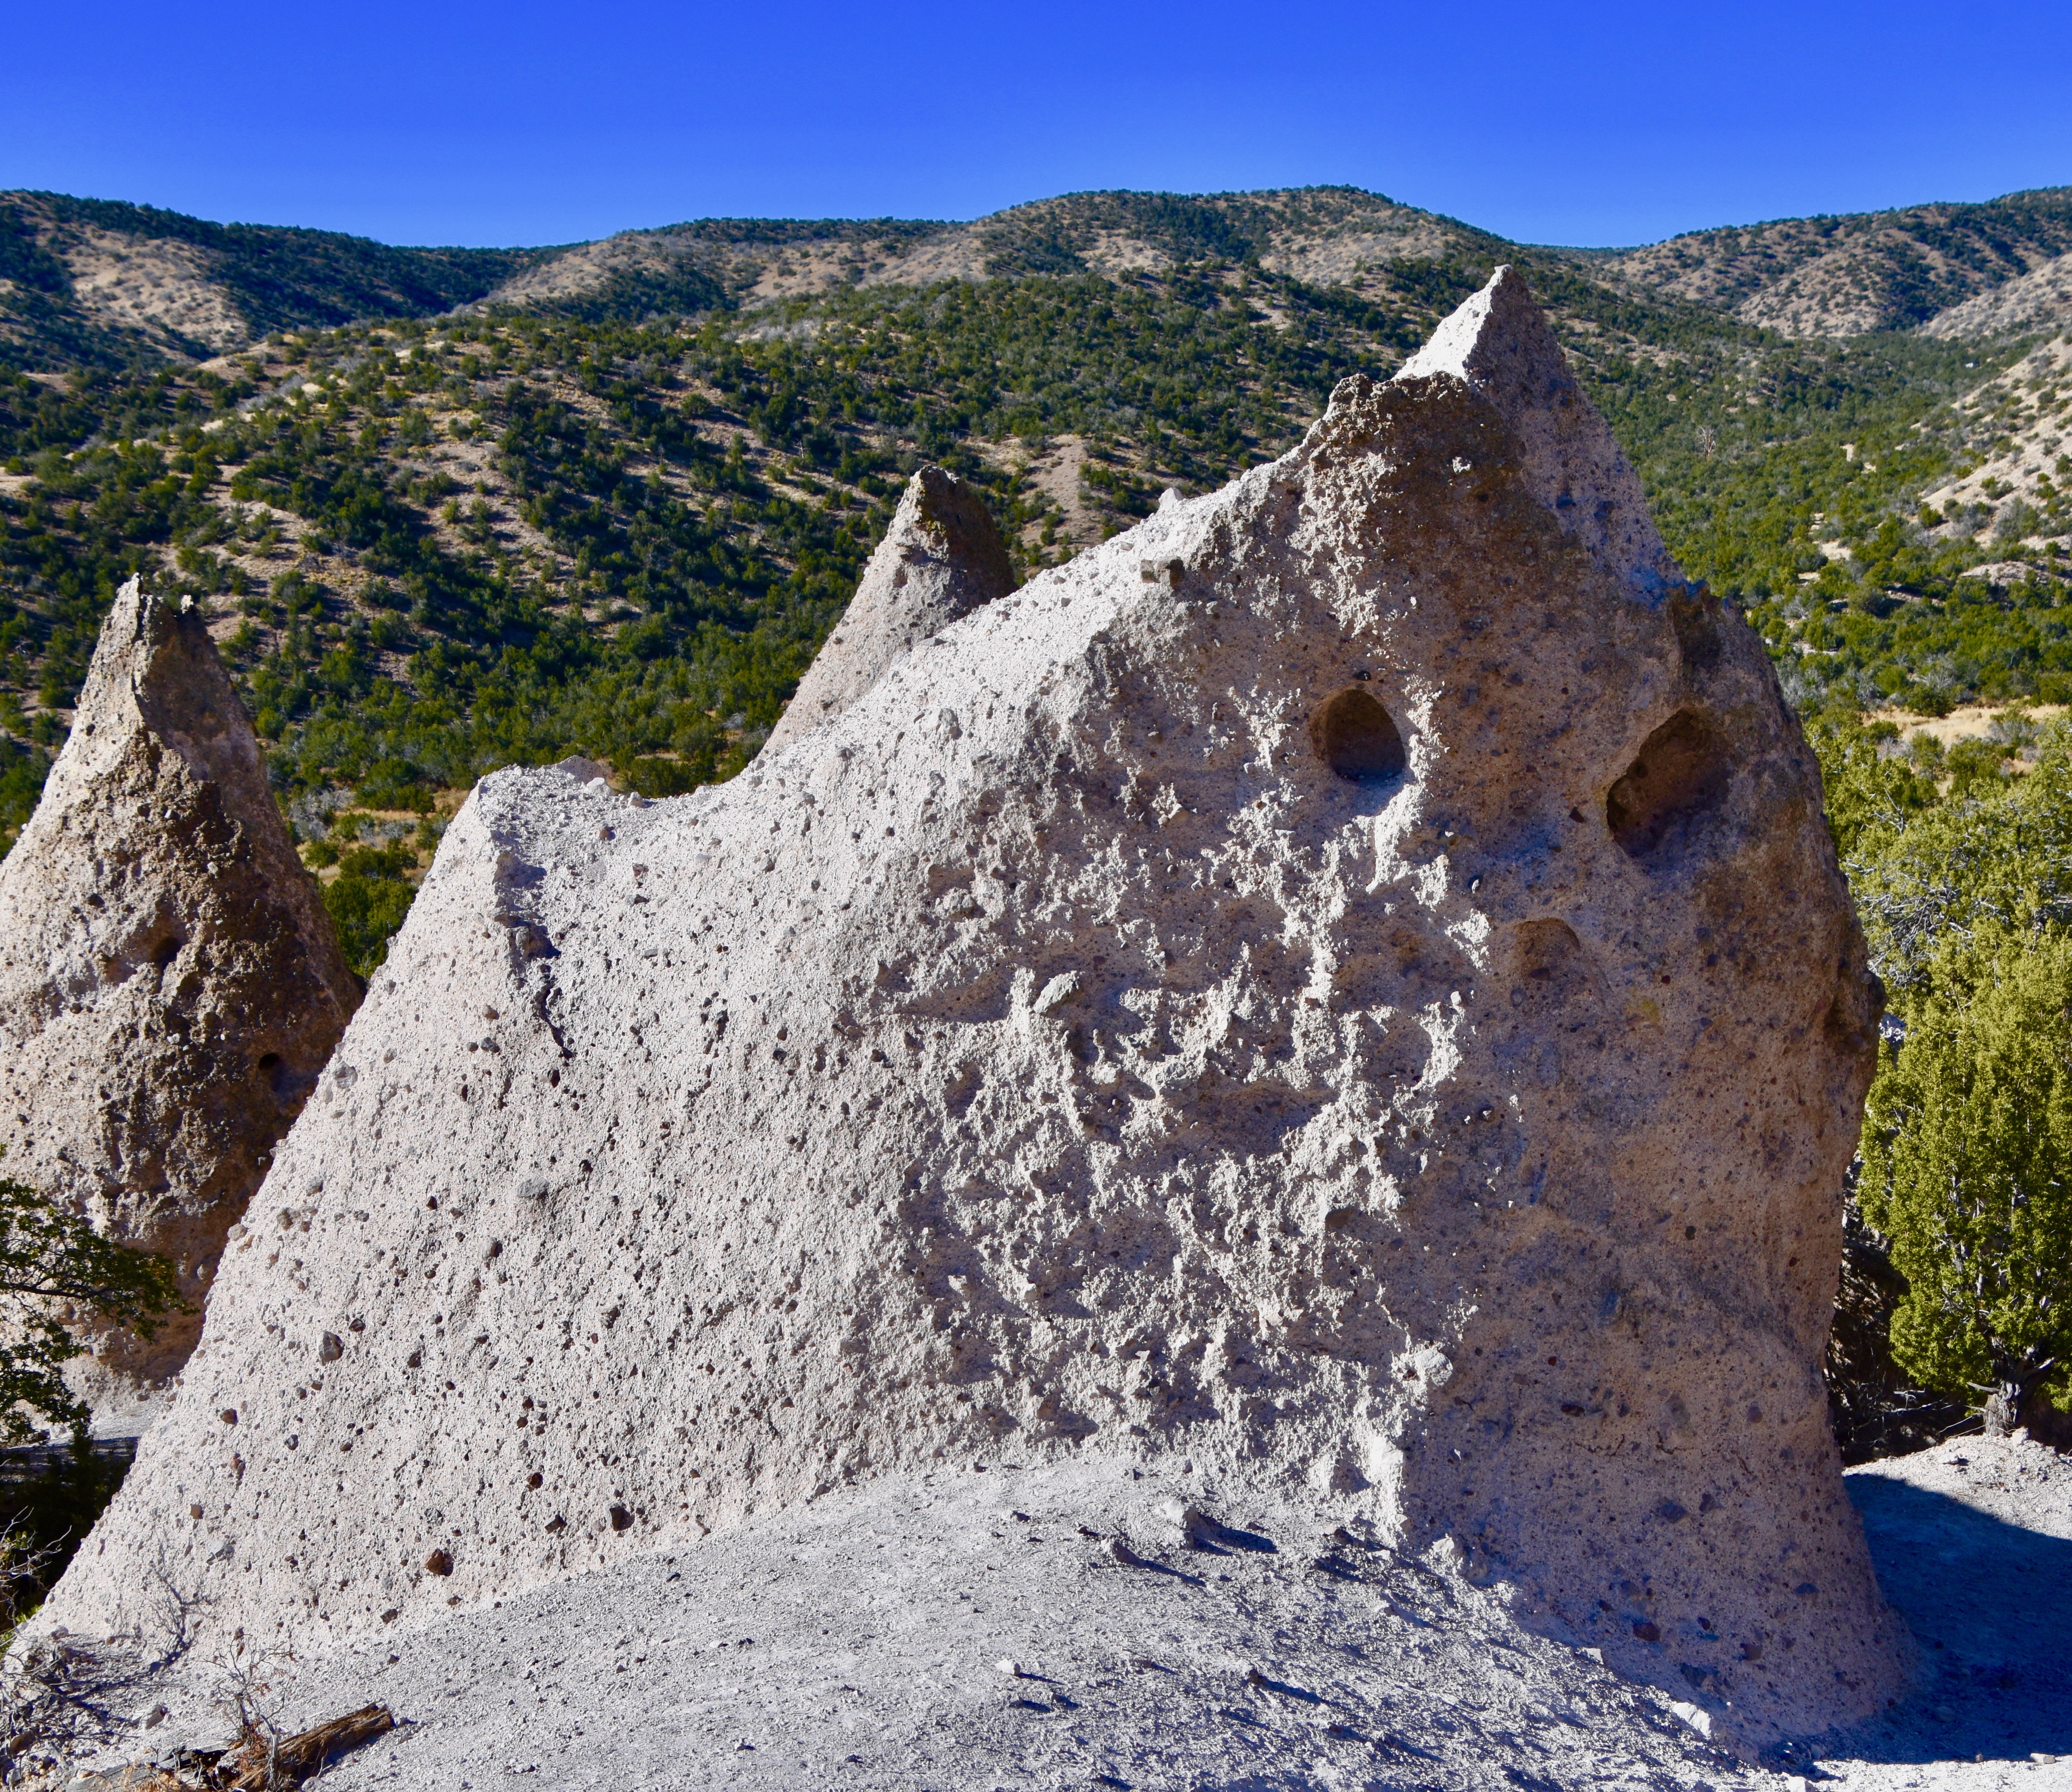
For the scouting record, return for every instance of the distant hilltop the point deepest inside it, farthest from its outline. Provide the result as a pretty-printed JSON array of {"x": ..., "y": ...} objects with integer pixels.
[{"x": 99, "y": 283}]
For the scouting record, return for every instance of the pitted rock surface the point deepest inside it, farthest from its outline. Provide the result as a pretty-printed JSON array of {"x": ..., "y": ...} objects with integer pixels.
[
  {"x": 942, "y": 558},
  {"x": 1346, "y": 987},
  {"x": 170, "y": 982}
]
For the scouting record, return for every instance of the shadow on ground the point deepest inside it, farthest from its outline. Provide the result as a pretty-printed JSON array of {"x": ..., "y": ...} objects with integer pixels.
[
  {"x": 1990, "y": 1607},
  {"x": 50, "y": 1497}
]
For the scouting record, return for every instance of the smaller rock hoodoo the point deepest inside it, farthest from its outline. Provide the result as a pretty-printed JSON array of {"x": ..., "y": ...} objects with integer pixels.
[
  {"x": 170, "y": 983},
  {"x": 942, "y": 558}
]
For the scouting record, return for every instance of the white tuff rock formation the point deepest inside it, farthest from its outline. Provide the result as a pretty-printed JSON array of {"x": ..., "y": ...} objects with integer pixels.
[
  {"x": 1345, "y": 989},
  {"x": 942, "y": 558},
  {"x": 170, "y": 983}
]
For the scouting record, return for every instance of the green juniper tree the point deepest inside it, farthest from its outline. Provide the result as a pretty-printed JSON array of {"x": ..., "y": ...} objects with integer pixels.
[
  {"x": 1967, "y": 1169},
  {"x": 49, "y": 1258}
]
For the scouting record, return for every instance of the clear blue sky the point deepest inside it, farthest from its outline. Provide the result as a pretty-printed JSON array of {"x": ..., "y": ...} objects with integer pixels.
[{"x": 524, "y": 123}]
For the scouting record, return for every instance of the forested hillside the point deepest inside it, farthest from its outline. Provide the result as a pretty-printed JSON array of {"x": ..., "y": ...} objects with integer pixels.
[{"x": 614, "y": 510}]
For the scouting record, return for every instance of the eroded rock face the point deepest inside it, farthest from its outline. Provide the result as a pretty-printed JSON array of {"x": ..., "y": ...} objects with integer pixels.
[
  {"x": 1345, "y": 987},
  {"x": 170, "y": 982},
  {"x": 942, "y": 558}
]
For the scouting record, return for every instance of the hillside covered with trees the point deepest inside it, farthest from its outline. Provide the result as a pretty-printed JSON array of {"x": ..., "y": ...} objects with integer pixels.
[{"x": 615, "y": 509}]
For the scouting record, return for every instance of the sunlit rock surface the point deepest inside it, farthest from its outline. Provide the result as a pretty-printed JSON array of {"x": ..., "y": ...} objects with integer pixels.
[{"x": 1344, "y": 990}]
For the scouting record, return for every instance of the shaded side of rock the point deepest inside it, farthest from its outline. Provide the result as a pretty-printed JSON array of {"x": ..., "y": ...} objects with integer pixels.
[
  {"x": 170, "y": 982},
  {"x": 1501, "y": 344},
  {"x": 941, "y": 559}
]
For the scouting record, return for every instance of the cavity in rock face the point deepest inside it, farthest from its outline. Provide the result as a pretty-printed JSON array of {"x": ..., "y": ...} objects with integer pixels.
[
  {"x": 942, "y": 558},
  {"x": 1107, "y": 1037},
  {"x": 170, "y": 982}
]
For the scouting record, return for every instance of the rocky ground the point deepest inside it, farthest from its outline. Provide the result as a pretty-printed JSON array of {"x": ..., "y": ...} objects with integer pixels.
[
  {"x": 1973, "y": 1542},
  {"x": 981, "y": 1628}
]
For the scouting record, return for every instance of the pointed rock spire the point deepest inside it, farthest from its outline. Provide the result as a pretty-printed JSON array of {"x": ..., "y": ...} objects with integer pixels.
[
  {"x": 1500, "y": 343},
  {"x": 170, "y": 982},
  {"x": 941, "y": 558},
  {"x": 1322, "y": 995}
]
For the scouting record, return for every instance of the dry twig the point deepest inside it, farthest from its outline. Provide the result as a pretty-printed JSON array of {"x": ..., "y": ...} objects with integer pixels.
[{"x": 265, "y": 1762}]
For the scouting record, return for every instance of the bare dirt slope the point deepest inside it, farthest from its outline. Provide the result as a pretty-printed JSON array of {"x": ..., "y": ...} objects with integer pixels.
[
  {"x": 2017, "y": 432},
  {"x": 99, "y": 283},
  {"x": 159, "y": 289},
  {"x": 2040, "y": 299},
  {"x": 694, "y": 266}
]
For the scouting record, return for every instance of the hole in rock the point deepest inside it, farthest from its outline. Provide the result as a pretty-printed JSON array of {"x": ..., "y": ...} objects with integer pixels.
[
  {"x": 288, "y": 1084},
  {"x": 165, "y": 952},
  {"x": 1680, "y": 774},
  {"x": 1547, "y": 949},
  {"x": 1553, "y": 968},
  {"x": 1355, "y": 736},
  {"x": 1850, "y": 1023}
]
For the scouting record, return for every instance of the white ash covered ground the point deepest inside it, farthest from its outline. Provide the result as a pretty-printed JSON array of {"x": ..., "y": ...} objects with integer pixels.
[{"x": 964, "y": 1631}]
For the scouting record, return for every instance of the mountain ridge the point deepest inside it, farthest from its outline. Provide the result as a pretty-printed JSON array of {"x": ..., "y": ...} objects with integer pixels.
[
  {"x": 1904, "y": 266},
  {"x": 98, "y": 283},
  {"x": 111, "y": 284}
]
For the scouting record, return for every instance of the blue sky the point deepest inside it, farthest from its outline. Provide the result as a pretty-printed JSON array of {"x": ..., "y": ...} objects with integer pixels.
[{"x": 527, "y": 123}]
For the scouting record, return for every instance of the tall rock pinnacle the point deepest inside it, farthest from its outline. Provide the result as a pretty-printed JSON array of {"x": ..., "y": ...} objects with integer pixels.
[
  {"x": 942, "y": 558},
  {"x": 1499, "y": 344},
  {"x": 170, "y": 982},
  {"x": 1345, "y": 989}
]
